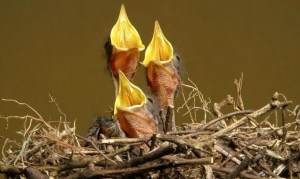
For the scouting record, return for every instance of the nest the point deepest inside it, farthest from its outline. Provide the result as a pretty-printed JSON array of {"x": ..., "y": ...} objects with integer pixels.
[{"x": 239, "y": 144}]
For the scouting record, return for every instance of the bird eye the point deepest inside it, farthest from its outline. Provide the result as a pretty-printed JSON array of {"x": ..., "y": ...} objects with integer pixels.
[
  {"x": 177, "y": 57},
  {"x": 150, "y": 100}
]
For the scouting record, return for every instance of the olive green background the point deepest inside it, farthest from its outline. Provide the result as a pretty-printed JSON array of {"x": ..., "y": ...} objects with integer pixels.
[{"x": 56, "y": 47}]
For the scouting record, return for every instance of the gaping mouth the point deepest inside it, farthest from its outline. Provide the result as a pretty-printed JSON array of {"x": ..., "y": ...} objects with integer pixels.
[
  {"x": 123, "y": 35},
  {"x": 159, "y": 49},
  {"x": 129, "y": 95}
]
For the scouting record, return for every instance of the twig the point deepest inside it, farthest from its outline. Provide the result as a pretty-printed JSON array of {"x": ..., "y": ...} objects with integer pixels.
[
  {"x": 279, "y": 169},
  {"x": 266, "y": 168},
  {"x": 52, "y": 100},
  {"x": 228, "y": 170},
  {"x": 65, "y": 144},
  {"x": 268, "y": 152},
  {"x": 181, "y": 142},
  {"x": 37, "y": 147},
  {"x": 33, "y": 173},
  {"x": 24, "y": 104},
  {"x": 85, "y": 161},
  {"x": 3, "y": 147},
  {"x": 194, "y": 97},
  {"x": 25, "y": 143},
  {"x": 164, "y": 150},
  {"x": 100, "y": 152},
  {"x": 40, "y": 119},
  {"x": 208, "y": 172},
  {"x": 283, "y": 119},
  {"x": 218, "y": 106},
  {"x": 174, "y": 159},
  {"x": 26, "y": 117},
  {"x": 186, "y": 105},
  {"x": 10, "y": 170},
  {"x": 123, "y": 141},
  {"x": 257, "y": 113},
  {"x": 141, "y": 169},
  {"x": 226, "y": 153},
  {"x": 162, "y": 122},
  {"x": 238, "y": 85},
  {"x": 239, "y": 168},
  {"x": 170, "y": 121},
  {"x": 218, "y": 119},
  {"x": 203, "y": 101},
  {"x": 26, "y": 129},
  {"x": 252, "y": 142}
]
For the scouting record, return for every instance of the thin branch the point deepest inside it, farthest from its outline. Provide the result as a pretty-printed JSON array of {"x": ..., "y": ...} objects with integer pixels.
[
  {"x": 52, "y": 100},
  {"x": 40, "y": 118},
  {"x": 141, "y": 169},
  {"x": 238, "y": 85},
  {"x": 243, "y": 120},
  {"x": 64, "y": 144},
  {"x": 218, "y": 119}
]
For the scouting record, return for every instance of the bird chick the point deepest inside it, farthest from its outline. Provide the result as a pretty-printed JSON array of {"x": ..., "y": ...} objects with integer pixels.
[
  {"x": 131, "y": 110},
  {"x": 163, "y": 76}
]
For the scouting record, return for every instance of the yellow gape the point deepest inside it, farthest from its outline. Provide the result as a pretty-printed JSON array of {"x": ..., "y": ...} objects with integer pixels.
[
  {"x": 129, "y": 96},
  {"x": 159, "y": 49},
  {"x": 123, "y": 35}
]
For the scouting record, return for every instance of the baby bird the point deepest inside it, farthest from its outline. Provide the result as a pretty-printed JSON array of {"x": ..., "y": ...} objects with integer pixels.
[
  {"x": 130, "y": 109},
  {"x": 163, "y": 76},
  {"x": 123, "y": 48}
]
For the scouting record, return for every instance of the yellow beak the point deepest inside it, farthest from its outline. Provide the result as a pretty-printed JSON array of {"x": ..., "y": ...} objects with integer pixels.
[
  {"x": 129, "y": 95},
  {"x": 159, "y": 49},
  {"x": 123, "y": 35}
]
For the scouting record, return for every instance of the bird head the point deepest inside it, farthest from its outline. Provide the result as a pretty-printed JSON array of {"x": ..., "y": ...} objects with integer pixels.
[
  {"x": 123, "y": 35},
  {"x": 129, "y": 96},
  {"x": 160, "y": 49},
  {"x": 130, "y": 110}
]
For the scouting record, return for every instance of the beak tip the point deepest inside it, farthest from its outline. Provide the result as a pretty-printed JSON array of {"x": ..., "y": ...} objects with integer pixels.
[
  {"x": 156, "y": 25},
  {"x": 122, "y": 10}
]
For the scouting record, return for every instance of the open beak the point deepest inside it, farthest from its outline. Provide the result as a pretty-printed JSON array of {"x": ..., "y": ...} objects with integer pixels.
[
  {"x": 159, "y": 49},
  {"x": 123, "y": 35},
  {"x": 126, "y": 45},
  {"x": 130, "y": 110}
]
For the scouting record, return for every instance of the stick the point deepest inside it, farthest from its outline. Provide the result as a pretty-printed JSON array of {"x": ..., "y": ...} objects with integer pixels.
[
  {"x": 65, "y": 144},
  {"x": 84, "y": 161},
  {"x": 162, "y": 123},
  {"x": 33, "y": 173},
  {"x": 239, "y": 168},
  {"x": 216, "y": 120},
  {"x": 284, "y": 130},
  {"x": 124, "y": 141},
  {"x": 243, "y": 120},
  {"x": 170, "y": 122},
  {"x": 181, "y": 142},
  {"x": 228, "y": 170},
  {"x": 238, "y": 85},
  {"x": 40, "y": 119},
  {"x": 252, "y": 142},
  {"x": 148, "y": 157},
  {"x": 127, "y": 171},
  {"x": 10, "y": 170},
  {"x": 208, "y": 172}
]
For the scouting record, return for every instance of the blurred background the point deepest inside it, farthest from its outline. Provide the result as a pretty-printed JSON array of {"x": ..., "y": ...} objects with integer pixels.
[{"x": 56, "y": 47}]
